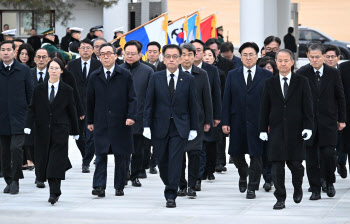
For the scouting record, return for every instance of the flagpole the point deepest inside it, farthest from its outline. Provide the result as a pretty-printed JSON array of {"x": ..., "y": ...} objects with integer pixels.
[
  {"x": 163, "y": 14},
  {"x": 191, "y": 14},
  {"x": 209, "y": 16}
]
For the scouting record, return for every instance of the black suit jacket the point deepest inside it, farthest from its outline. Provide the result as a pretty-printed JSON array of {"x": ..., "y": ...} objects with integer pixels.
[
  {"x": 74, "y": 66},
  {"x": 224, "y": 64},
  {"x": 286, "y": 117},
  {"x": 344, "y": 69},
  {"x": 328, "y": 104}
]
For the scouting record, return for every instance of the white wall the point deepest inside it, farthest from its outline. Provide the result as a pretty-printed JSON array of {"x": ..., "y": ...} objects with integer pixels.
[{"x": 115, "y": 17}]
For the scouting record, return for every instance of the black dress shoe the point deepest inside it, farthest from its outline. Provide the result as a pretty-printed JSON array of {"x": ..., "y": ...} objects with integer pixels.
[
  {"x": 191, "y": 192},
  {"x": 85, "y": 169},
  {"x": 211, "y": 176},
  {"x": 279, "y": 205},
  {"x": 126, "y": 182},
  {"x": 204, "y": 176},
  {"x": 119, "y": 192},
  {"x": 242, "y": 184},
  {"x": 142, "y": 174},
  {"x": 136, "y": 183},
  {"x": 182, "y": 192},
  {"x": 99, "y": 191},
  {"x": 218, "y": 168},
  {"x": 298, "y": 195},
  {"x": 230, "y": 161},
  {"x": 198, "y": 186},
  {"x": 53, "y": 198},
  {"x": 315, "y": 196},
  {"x": 267, "y": 186},
  {"x": 14, "y": 187},
  {"x": 24, "y": 167},
  {"x": 7, "y": 189},
  {"x": 170, "y": 203},
  {"x": 342, "y": 171},
  {"x": 153, "y": 170},
  {"x": 330, "y": 190},
  {"x": 223, "y": 169},
  {"x": 250, "y": 194},
  {"x": 323, "y": 186},
  {"x": 40, "y": 184},
  {"x": 30, "y": 168}
]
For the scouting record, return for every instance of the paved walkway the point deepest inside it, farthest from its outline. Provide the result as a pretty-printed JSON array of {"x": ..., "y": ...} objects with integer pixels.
[{"x": 218, "y": 202}]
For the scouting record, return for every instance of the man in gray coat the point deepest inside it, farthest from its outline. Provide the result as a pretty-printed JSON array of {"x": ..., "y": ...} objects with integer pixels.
[{"x": 141, "y": 74}]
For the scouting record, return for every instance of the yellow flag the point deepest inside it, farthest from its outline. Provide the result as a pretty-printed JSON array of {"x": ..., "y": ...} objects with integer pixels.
[
  {"x": 198, "y": 26},
  {"x": 165, "y": 27},
  {"x": 213, "y": 27}
]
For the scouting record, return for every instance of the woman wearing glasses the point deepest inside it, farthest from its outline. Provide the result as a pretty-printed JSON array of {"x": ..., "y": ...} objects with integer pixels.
[{"x": 53, "y": 102}]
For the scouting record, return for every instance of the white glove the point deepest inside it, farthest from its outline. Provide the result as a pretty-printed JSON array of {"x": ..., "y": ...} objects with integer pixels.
[
  {"x": 27, "y": 131},
  {"x": 263, "y": 136},
  {"x": 76, "y": 137},
  {"x": 147, "y": 132},
  {"x": 192, "y": 135},
  {"x": 308, "y": 133}
]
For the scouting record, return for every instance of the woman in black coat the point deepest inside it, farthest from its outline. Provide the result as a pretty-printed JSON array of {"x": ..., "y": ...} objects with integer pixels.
[{"x": 53, "y": 113}]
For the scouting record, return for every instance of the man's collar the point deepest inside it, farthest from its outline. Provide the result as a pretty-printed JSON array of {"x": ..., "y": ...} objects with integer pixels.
[
  {"x": 5, "y": 65},
  {"x": 111, "y": 70},
  {"x": 136, "y": 64},
  {"x": 189, "y": 70},
  {"x": 176, "y": 73},
  {"x": 289, "y": 76},
  {"x": 200, "y": 65},
  {"x": 88, "y": 61},
  {"x": 38, "y": 70},
  {"x": 253, "y": 69},
  {"x": 320, "y": 70},
  {"x": 54, "y": 84}
]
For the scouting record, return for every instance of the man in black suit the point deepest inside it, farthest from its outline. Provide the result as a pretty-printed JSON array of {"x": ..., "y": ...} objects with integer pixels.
[
  {"x": 205, "y": 119},
  {"x": 286, "y": 114},
  {"x": 330, "y": 116},
  {"x": 34, "y": 40},
  {"x": 16, "y": 89},
  {"x": 111, "y": 111},
  {"x": 82, "y": 68},
  {"x": 289, "y": 40},
  {"x": 210, "y": 139},
  {"x": 227, "y": 51},
  {"x": 153, "y": 54},
  {"x": 97, "y": 43},
  {"x": 170, "y": 118},
  {"x": 141, "y": 74},
  {"x": 226, "y": 66}
]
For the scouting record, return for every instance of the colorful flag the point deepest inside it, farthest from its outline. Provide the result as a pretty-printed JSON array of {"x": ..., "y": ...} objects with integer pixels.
[
  {"x": 193, "y": 28},
  {"x": 176, "y": 32},
  {"x": 208, "y": 28}
]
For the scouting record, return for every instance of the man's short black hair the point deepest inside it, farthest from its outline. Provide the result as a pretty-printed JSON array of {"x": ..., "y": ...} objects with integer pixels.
[
  {"x": 8, "y": 42},
  {"x": 134, "y": 43},
  {"x": 213, "y": 41},
  {"x": 171, "y": 46},
  {"x": 18, "y": 40},
  {"x": 85, "y": 41},
  {"x": 290, "y": 29},
  {"x": 107, "y": 44},
  {"x": 331, "y": 47},
  {"x": 44, "y": 50},
  {"x": 226, "y": 47},
  {"x": 270, "y": 39},
  {"x": 198, "y": 41},
  {"x": 249, "y": 44},
  {"x": 154, "y": 43},
  {"x": 188, "y": 46}
]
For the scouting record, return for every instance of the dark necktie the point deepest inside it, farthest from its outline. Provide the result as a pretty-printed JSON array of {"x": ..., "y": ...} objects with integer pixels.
[
  {"x": 171, "y": 87},
  {"x": 8, "y": 68},
  {"x": 249, "y": 79},
  {"x": 285, "y": 88},
  {"x": 187, "y": 72},
  {"x": 52, "y": 94},
  {"x": 41, "y": 77},
  {"x": 318, "y": 80},
  {"x": 108, "y": 75},
  {"x": 84, "y": 71}
]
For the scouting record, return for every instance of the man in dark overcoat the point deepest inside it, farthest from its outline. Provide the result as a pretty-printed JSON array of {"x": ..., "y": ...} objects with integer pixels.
[
  {"x": 240, "y": 116},
  {"x": 330, "y": 116},
  {"x": 111, "y": 111},
  {"x": 16, "y": 89},
  {"x": 286, "y": 115}
]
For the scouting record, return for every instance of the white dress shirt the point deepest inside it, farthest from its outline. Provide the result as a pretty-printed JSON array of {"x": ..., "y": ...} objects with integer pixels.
[
  {"x": 189, "y": 70},
  {"x": 55, "y": 87},
  {"x": 245, "y": 73},
  {"x": 87, "y": 66},
  {"x": 200, "y": 65},
  {"x": 38, "y": 75},
  {"x": 5, "y": 65},
  {"x": 289, "y": 76},
  {"x": 176, "y": 75},
  {"x": 320, "y": 70},
  {"x": 111, "y": 70}
]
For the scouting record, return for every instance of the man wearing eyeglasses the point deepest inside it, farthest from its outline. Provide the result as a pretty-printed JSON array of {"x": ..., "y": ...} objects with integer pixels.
[
  {"x": 170, "y": 118},
  {"x": 141, "y": 74},
  {"x": 82, "y": 68},
  {"x": 240, "y": 117},
  {"x": 96, "y": 44},
  {"x": 111, "y": 111},
  {"x": 329, "y": 108}
]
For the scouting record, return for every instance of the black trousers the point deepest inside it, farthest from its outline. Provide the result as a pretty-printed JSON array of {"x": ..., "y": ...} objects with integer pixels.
[
  {"x": 89, "y": 147},
  {"x": 100, "y": 175},
  {"x": 266, "y": 164},
  {"x": 137, "y": 156},
  {"x": 278, "y": 177},
  {"x": 210, "y": 151},
  {"x": 55, "y": 186},
  {"x": 12, "y": 157},
  {"x": 81, "y": 141},
  {"x": 193, "y": 168},
  {"x": 28, "y": 153},
  {"x": 221, "y": 151},
  {"x": 254, "y": 171},
  {"x": 169, "y": 153}
]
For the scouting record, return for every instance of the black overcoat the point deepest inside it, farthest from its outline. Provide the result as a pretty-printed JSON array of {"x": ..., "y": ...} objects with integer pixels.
[
  {"x": 109, "y": 105},
  {"x": 344, "y": 69},
  {"x": 286, "y": 117},
  {"x": 328, "y": 104},
  {"x": 54, "y": 123}
]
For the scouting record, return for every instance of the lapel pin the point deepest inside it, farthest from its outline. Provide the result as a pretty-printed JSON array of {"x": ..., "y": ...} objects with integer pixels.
[{"x": 180, "y": 79}]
